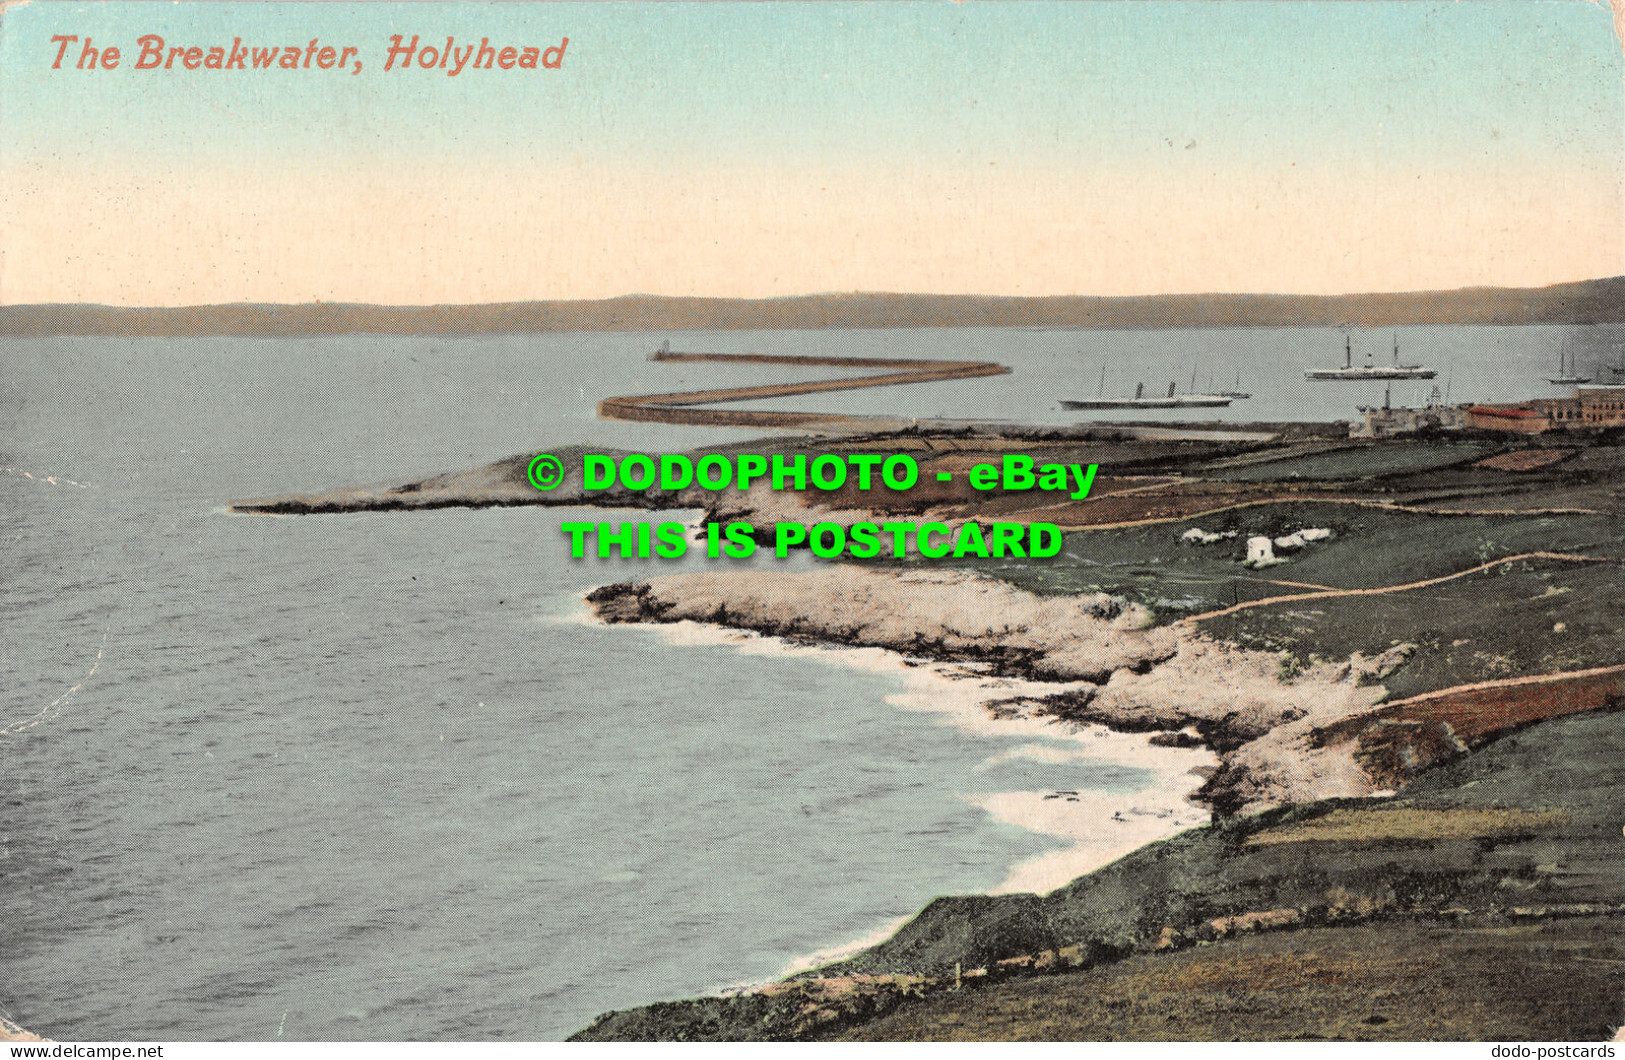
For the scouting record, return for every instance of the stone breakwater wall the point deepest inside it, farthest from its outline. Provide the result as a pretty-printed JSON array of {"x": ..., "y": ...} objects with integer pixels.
[{"x": 680, "y": 407}]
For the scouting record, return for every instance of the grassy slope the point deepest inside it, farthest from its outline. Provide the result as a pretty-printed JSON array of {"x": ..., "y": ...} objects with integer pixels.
[
  {"x": 1394, "y": 982},
  {"x": 1536, "y": 617},
  {"x": 1529, "y": 822},
  {"x": 1372, "y": 547}
]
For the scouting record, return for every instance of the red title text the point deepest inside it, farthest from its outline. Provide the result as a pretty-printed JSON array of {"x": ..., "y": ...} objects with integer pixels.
[{"x": 452, "y": 58}]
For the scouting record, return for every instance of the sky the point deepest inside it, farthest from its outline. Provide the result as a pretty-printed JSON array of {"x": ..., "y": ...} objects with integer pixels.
[{"x": 769, "y": 149}]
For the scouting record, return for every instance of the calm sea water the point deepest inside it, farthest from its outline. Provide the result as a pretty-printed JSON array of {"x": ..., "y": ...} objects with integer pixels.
[
  {"x": 370, "y": 777},
  {"x": 1473, "y": 364}
]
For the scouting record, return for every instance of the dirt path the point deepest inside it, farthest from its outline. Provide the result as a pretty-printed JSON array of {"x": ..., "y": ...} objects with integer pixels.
[
  {"x": 1508, "y": 682},
  {"x": 1331, "y": 594},
  {"x": 1301, "y": 498}
]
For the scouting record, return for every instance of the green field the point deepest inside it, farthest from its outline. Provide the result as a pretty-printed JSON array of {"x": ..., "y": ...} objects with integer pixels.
[
  {"x": 1529, "y": 822},
  {"x": 1361, "y": 461},
  {"x": 1371, "y": 547},
  {"x": 1530, "y": 617}
]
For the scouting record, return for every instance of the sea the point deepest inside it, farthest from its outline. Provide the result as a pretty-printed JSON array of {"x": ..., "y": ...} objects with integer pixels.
[{"x": 381, "y": 776}]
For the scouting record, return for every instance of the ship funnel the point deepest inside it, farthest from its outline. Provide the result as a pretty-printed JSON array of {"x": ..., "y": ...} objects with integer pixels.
[
  {"x": 1139, "y": 391},
  {"x": 1170, "y": 390}
]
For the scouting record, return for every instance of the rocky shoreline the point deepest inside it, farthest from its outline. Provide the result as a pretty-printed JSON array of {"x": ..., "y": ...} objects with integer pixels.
[
  {"x": 1417, "y": 725},
  {"x": 1390, "y": 918},
  {"x": 1335, "y": 814},
  {"x": 1118, "y": 668}
]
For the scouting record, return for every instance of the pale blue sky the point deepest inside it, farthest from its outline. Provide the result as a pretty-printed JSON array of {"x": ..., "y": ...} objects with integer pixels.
[
  {"x": 1015, "y": 83},
  {"x": 750, "y": 149}
]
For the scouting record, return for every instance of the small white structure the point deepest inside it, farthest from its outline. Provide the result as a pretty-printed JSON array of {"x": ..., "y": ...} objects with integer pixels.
[
  {"x": 1260, "y": 552},
  {"x": 1197, "y": 536},
  {"x": 1298, "y": 539}
]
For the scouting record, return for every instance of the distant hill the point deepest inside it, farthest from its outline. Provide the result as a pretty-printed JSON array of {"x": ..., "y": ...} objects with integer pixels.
[{"x": 1587, "y": 302}]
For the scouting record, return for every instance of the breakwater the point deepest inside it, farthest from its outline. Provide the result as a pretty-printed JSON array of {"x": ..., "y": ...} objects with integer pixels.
[{"x": 680, "y": 407}]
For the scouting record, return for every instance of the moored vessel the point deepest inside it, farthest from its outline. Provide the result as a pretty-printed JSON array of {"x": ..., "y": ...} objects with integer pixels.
[
  {"x": 1140, "y": 401},
  {"x": 1567, "y": 376},
  {"x": 1369, "y": 370}
]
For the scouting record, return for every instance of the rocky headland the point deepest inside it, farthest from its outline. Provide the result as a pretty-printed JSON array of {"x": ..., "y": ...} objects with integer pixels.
[
  {"x": 1119, "y": 668},
  {"x": 1414, "y": 711},
  {"x": 1416, "y": 718}
]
